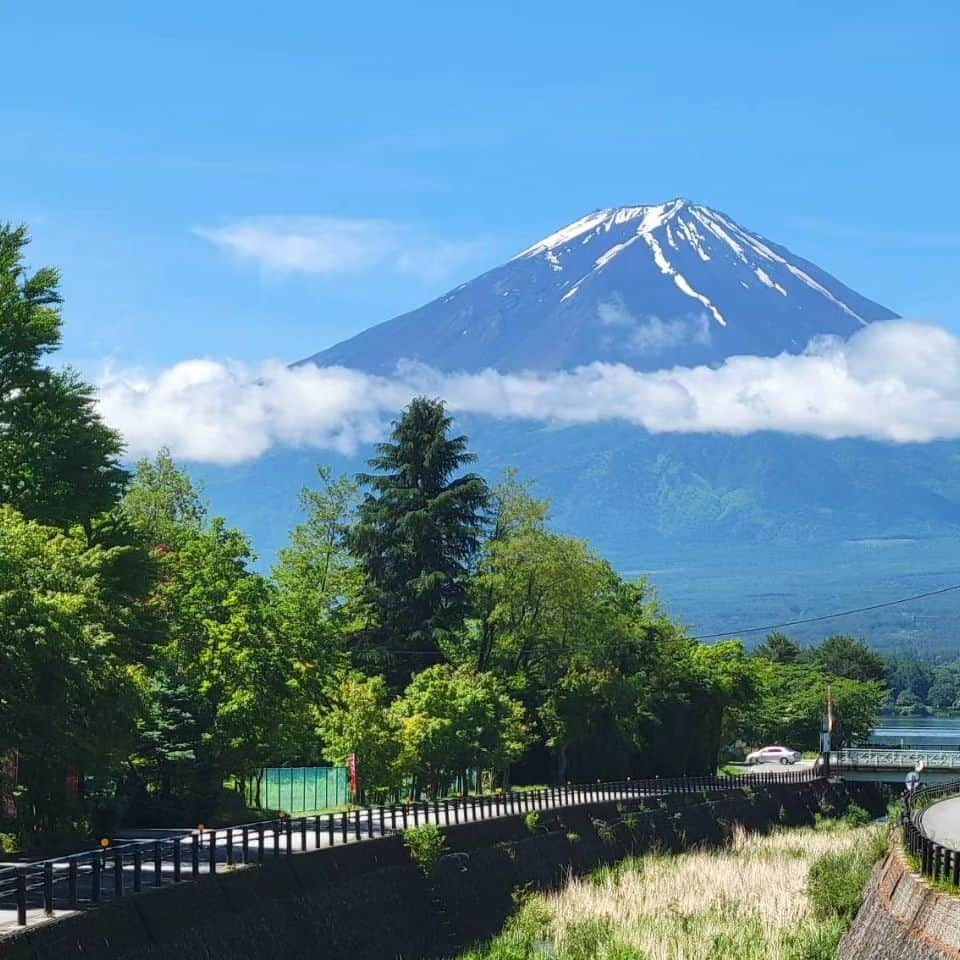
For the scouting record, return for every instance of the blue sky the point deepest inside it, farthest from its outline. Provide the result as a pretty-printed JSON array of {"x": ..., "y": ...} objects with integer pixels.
[{"x": 431, "y": 141}]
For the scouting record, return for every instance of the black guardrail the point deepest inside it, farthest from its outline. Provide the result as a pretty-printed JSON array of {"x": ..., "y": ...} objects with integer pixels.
[
  {"x": 936, "y": 860},
  {"x": 115, "y": 870}
]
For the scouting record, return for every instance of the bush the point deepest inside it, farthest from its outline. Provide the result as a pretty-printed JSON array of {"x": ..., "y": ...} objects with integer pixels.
[
  {"x": 836, "y": 883},
  {"x": 426, "y": 845},
  {"x": 856, "y": 816},
  {"x": 604, "y": 831},
  {"x": 532, "y": 821}
]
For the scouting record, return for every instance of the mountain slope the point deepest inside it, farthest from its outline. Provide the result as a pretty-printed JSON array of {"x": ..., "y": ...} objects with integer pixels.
[
  {"x": 738, "y": 529},
  {"x": 650, "y": 286}
]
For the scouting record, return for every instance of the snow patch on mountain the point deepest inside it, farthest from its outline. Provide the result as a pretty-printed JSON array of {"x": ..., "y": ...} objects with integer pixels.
[
  {"x": 663, "y": 223},
  {"x": 540, "y": 310}
]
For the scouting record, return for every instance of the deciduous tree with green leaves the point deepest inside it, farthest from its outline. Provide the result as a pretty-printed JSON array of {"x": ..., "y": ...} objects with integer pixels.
[{"x": 69, "y": 694}]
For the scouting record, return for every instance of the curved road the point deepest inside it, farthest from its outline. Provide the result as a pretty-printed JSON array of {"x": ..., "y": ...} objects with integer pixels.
[{"x": 941, "y": 821}]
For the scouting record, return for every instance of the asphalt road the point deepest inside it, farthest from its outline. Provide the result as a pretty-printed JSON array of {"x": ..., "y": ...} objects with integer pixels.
[
  {"x": 941, "y": 821},
  {"x": 772, "y": 766}
]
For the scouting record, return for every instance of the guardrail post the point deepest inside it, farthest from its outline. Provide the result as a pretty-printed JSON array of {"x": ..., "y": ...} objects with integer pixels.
[
  {"x": 356, "y": 824},
  {"x": 229, "y": 846},
  {"x": 48, "y": 888},
  {"x": 212, "y": 851},
  {"x": 137, "y": 869},
  {"x": 97, "y": 867},
  {"x": 369, "y": 823},
  {"x": 195, "y": 855},
  {"x": 72, "y": 885},
  {"x": 22, "y": 898},
  {"x": 303, "y": 834},
  {"x": 276, "y": 838},
  {"x": 288, "y": 834},
  {"x": 157, "y": 863},
  {"x": 343, "y": 826},
  {"x": 118, "y": 872}
]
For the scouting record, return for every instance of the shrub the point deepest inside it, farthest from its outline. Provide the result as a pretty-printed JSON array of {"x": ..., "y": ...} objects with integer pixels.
[
  {"x": 836, "y": 883},
  {"x": 856, "y": 816},
  {"x": 604, "y": 831},
  {"x": 426, "y": 845},
  {"x": 532, "y": 820}
]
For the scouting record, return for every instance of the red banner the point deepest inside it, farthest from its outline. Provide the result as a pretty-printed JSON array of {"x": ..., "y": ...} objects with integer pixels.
[{"x": 354, "y": 778}]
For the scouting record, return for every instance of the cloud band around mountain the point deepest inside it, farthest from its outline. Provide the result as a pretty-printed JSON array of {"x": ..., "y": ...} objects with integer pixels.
[{"x": 896, "y": 382}]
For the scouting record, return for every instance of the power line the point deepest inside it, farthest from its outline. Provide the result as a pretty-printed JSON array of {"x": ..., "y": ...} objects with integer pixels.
[
  {"x": 827, "y": 616},
  {"x": 770, "y": 626}
]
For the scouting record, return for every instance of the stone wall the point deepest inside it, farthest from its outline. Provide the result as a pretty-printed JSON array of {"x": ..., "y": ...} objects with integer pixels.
[
  {"x": 367, "y": 901},
  {"x": 902, "y": 918}
]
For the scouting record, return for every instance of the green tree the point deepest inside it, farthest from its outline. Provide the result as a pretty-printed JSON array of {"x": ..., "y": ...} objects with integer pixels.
[
  {"x": 162, "y": 505},
  {"x": 59, "y": 463},
  {"x": 944, "y": 690},
  {"x": 843, "y": 656},
  {"x": 223, "y": 643},
  {"x": 359, "y": 722},
  {"x": 416, "y": 537},
  {"x": 906, "y": 671},
  {"x": 594, "y": 659},
  {"x": 318, "y": 586},
  {"x": 792, "y": 707},
  {"x": 69, "y": 695},
  {"x": 778, "y": 648},
  {"x": 455, "y": 719}
]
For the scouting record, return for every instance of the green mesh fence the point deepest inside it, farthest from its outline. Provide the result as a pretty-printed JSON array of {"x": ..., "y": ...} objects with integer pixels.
[{"x": 302, "y": 789}]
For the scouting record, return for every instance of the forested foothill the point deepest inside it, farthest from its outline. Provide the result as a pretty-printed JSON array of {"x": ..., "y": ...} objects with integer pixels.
[{"x": 422, "y": 618}]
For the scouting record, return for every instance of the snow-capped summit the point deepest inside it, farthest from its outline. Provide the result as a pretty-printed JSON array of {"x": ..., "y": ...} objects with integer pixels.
[{"x": 650, "y": 286}]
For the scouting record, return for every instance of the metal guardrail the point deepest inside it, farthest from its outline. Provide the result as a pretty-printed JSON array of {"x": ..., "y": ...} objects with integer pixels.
[
  {"x": 936, "y": 860},
  {"x": 86, "y": 879},
  {"x": 901, "y": 759}
]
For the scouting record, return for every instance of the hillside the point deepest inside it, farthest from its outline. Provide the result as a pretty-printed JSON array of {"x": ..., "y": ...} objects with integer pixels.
[{"x": 653, "y": 287}]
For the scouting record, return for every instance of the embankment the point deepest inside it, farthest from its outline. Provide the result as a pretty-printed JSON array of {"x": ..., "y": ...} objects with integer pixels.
[
  {"x": 367, "y": 901},
  {"x": 903, "y": 918}
]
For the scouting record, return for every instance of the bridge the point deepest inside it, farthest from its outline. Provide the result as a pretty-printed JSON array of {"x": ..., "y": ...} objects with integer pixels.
[{"x": 891, "y": 764}]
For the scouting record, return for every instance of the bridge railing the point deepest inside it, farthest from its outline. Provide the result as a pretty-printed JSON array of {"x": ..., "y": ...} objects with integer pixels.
[
  {"x": 897, "y": 758},
  {"x": 938, "y": 861},
  {"x": 113, "y": 871}
]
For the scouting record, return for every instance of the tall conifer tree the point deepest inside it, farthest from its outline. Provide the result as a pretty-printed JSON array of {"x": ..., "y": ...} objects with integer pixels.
[{"x": 417, "y": 535}]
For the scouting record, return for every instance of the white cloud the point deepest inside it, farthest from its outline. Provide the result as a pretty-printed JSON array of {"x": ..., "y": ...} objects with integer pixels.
[
  {"x": 896, "y": 381},
  {"x": 650, "y": 334},
  {"x": 336, "y": 246}
]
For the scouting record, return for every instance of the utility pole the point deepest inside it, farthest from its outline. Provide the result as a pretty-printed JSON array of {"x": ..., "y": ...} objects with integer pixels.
[{"x": 828, "y": 730}]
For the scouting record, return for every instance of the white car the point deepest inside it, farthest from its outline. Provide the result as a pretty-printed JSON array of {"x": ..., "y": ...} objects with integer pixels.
[{"x": 773, "y": 755}]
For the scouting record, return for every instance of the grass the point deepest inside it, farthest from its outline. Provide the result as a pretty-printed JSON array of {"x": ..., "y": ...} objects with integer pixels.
[{"x": 785, "y": 896}]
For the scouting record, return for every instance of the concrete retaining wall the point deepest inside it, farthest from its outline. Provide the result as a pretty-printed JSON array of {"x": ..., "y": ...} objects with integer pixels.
[
  {"x": 367, "y": 901},
  {"x": 902, "y": 918}
]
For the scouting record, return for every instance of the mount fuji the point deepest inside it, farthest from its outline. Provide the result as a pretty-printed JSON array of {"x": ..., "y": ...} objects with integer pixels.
[
  {"x": 672, "y": 284},
  {"x": 766, "y": 527}
]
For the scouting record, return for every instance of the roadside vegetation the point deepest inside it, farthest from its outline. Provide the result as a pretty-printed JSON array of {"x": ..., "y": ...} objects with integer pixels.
[{"x": 786, "y": 896}]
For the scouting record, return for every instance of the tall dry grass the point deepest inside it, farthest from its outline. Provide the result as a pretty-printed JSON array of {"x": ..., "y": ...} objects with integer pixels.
[
  {"x": 746, "y": 902},
  {"x": 691, "y": 906}
]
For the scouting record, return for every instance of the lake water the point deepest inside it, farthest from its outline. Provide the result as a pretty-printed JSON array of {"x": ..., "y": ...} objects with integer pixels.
[{"x": 917, "y": 732}]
